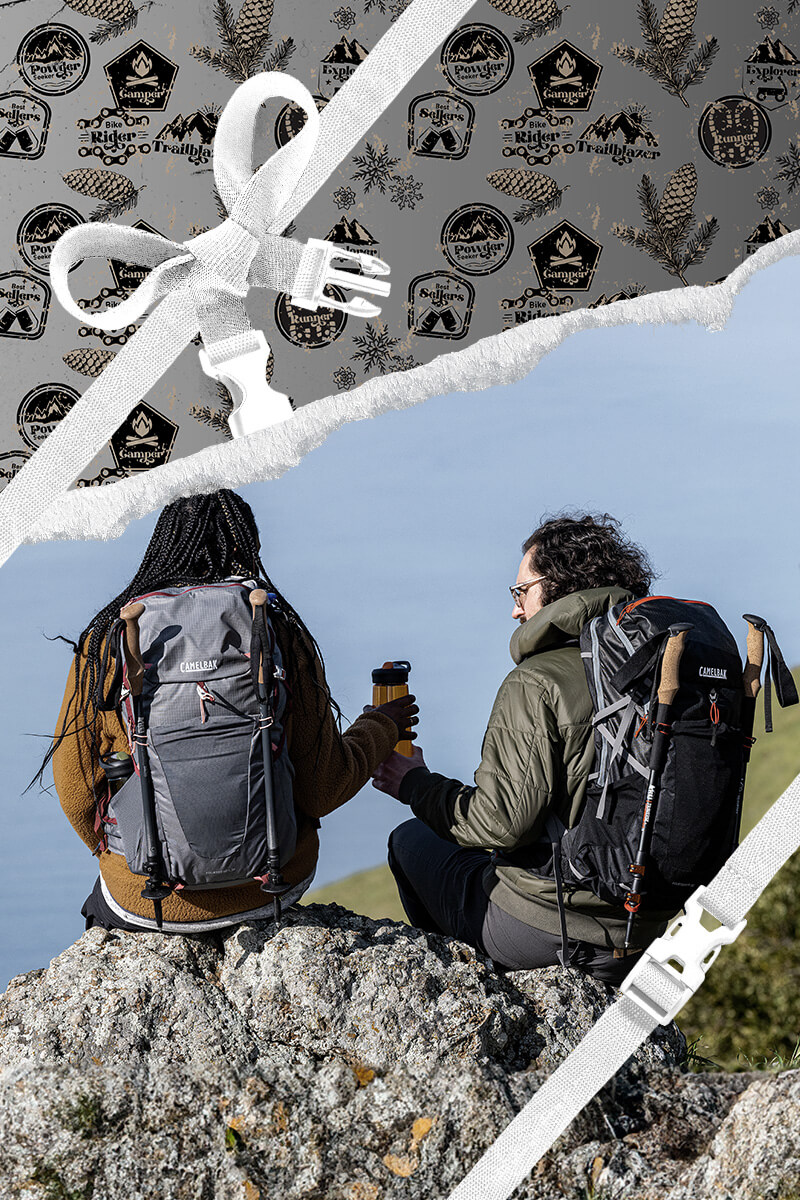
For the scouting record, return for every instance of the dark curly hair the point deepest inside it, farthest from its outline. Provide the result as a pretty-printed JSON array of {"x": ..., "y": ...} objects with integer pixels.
[{"x": 586, "y": 550}]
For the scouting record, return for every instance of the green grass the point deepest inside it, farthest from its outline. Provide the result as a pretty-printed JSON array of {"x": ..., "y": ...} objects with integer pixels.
[{"x": 745, "y": 1016}]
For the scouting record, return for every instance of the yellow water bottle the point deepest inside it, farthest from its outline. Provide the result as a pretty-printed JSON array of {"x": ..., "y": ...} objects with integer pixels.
[{"x": 389, "y": 682}]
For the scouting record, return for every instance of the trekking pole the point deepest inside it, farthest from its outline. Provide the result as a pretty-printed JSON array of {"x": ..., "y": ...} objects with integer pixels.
[
  {"x": 155, "y": 889},
  {"x": 668, "y": 685},
  {"x": 751, "y": 680},
  {"x": 273, "y": 881}
]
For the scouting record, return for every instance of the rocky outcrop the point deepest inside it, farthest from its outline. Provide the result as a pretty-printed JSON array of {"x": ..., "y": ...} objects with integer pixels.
[{"x": 346, "y": 1059}]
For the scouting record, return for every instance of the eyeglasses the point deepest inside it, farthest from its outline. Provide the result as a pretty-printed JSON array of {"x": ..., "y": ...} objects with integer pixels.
[{"x": 519, "y": 590}]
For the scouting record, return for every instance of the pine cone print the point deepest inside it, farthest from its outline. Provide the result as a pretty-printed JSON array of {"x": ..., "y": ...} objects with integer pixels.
[
  {"x": 253, "y": 23},
  {"x": 103, "y": 10},
  {"x": 541, "y": 190},
  {"x": 540, "y": 16},
  {"x": 116, "y": 191},
  {"x": 679, "y": 195},
  {"x": 677, "y": 23},
  {"x": 89, "y": 362}
]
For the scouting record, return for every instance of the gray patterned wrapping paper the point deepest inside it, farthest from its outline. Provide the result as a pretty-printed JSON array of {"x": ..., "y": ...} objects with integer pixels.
[{"x": 548, "y": 157}]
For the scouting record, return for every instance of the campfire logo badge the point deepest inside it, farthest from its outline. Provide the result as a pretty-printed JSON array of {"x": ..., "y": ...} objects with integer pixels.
[
  {"x": 623, "y": 137},
  {"x": 128, "y": 276},
  {"x": 40, "y": 229},
  {"x": 112, "y": 136},
  {"x": 24, "y": 125},
  {"x": 477, "y": 59},
  {"x": 24, "y": 305},
  {"x": 477, "y": 239},
  {"x": 53, "y": 59},
  {"x": 144, "y": 441},
  {"x": 440, "y": 125},
  {"x": 440, "y": 305},
  {"x": 531, "y": 304},
  {"x": 42, "y": 409},
  {"x": 192, "y": 135},
  {"x": 565, "y": 78},
  {"x": 734, "y": 131},
  {"x": 565, "y": 258},
  {"x": 11, "y": 462},
  {"x": 141, "y": 78},
  {"x": 339, "y": 64},
  {"x": 771, "y": 73},
  {"x": 537, "y": 136}
]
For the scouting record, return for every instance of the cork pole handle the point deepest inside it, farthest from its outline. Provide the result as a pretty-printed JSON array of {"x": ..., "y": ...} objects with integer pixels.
[
  {"x": 131, "y": 614},
  {"x": 258, "y": 599},
  {"x": 669, "y": 682},
  {"x": 755, "y": 660}
]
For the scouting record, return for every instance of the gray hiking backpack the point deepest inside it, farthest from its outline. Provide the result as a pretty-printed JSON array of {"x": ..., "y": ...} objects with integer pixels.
[{"x": 204, "y": 742}]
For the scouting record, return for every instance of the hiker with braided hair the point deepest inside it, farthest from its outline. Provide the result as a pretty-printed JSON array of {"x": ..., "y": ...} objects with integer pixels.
[{"x": 201, "y": 540}]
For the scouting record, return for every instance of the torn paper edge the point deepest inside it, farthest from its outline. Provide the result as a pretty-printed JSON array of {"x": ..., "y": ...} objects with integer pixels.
[{"x": 500, "y": 358}]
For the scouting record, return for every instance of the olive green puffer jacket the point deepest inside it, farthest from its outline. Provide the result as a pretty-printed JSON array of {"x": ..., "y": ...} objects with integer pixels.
[{"x": 537, "y": 755}]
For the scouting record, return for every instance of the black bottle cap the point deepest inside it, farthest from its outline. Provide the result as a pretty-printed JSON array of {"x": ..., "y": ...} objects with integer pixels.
[{"x": 394, "y": 673}]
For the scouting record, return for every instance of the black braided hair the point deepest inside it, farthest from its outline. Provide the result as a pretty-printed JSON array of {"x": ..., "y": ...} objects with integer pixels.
[{"x": 200, "y": 539}]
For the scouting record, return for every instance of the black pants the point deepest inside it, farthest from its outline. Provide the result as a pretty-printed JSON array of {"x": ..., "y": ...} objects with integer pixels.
[
  {"x": 97, "y": 912},
  {"x": 441, "y": 888}
]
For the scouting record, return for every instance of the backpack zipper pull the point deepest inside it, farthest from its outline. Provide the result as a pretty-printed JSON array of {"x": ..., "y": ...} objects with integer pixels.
[
  {"x": 714, "y": 713},
  {"x": 204, "y": 695}
]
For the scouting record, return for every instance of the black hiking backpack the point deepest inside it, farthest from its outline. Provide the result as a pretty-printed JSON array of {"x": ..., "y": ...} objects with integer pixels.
[
  {"x": 204, "y": 742},
  {"x": 694, "y": 821}
]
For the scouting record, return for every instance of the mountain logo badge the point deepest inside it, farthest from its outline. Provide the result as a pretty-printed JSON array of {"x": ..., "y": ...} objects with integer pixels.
[
  {"x": 565, "y": 258},
  {"x": 145, "y": 440},
  {"x": 771, "y": 73},
  {"x": 440, "y": 125},
  {"x": 440, "y": 305},
  {"x": 477, "y": 239},
  {"x": 24, "y": 125},
  {"x": 113, "y": 136},
  {"x": 565, "y": 78},
  {"x": 41, "y": 410},
  {"x": 24, "y": 305},
  {"x": 53, "y": 59},
  {"x": 623, "y": 137},
  {"x": 768, "y": 230},
  {"x": 734, "y": 131},
  {"x": 40, "y": 229},
  {"x": 477, "y": 59},
  {"x": 141, "y": 78},
  {"x": 339, "y": 64},
  {"x": 192, "y": 135}
]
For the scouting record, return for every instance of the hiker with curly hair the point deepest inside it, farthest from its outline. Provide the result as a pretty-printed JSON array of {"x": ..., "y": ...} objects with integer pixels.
[
  {"x": 201, "y": 540},
  {"x": 461, "y": 863}
]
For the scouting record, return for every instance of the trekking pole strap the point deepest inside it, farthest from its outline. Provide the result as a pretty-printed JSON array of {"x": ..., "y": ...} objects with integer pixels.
[{"x": 653, "y": 992}]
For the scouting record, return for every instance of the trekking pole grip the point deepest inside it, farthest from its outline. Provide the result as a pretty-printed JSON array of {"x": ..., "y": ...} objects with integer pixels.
[
  {"x": 751, "y": 677},
  {"x": 130, "y": 614},
  {"x": 258, "y": 599},
  {"x": 669, "y": 681}
]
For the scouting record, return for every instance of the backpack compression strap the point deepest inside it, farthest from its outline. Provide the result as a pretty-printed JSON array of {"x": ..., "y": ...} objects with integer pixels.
[{"x": 652, "y": 994}]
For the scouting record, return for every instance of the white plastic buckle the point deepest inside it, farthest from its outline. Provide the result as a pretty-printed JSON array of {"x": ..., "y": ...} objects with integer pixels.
[
  {"x": 686, "y": 943},
  {"x": 255, "y": 404},
  {"x": 315, "y": 265}
]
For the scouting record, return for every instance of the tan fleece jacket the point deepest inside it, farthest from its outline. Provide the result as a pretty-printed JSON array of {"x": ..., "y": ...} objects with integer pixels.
[{"x": 323, "y": 781}]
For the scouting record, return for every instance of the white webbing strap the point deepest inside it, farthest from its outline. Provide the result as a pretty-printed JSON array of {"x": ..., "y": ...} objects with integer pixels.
[
  {"x": 652, "y": 994},
  {"x": 200, "y": 284}
]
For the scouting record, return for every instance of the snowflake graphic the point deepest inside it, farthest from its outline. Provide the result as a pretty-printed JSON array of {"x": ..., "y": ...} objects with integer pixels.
[
  {"x": 376, "y": 348},
  {"x": 344, "y": 18},
  {"x": 344, "y": 197},
  {"x": 789, "y": 164},
  {"x": 344, "y": 378},
  {"x": 768, "y": 197},
  {"x": 768, "y": 17},
  {"x": 377, "y": 5},
  {"x": 405, "y": 362},
  {"x": 400, "y": 7},
  {"x": 406, "y": 192},
  {"x": 374, "y": 167}
]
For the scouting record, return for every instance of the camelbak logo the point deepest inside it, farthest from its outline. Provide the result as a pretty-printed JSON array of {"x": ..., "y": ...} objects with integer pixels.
[
  {"x": 202, "y": 664},
  {"x": 713, "y": 672}
]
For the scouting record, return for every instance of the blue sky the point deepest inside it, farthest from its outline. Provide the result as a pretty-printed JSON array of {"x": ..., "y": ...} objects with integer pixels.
[{"x": 398, "y": 537}]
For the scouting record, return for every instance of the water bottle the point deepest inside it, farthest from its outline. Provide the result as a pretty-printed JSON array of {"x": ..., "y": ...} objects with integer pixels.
[
  {"x": 118, "y": 768},
  {"x": 389, "y": 682}
]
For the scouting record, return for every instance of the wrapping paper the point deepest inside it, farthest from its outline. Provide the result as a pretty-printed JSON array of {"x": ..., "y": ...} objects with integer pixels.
[{"x": 550, "y": 168}]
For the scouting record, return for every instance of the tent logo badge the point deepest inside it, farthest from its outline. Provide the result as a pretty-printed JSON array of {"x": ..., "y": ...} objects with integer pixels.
[
  {"x": 440, "y": 305},
  {"x": 24, "y": 304},
  {"x": 477, "y": 59},
  {"x": 40, "y": 229},
  {"x": 565, "y": 78},
  {"x": 141, "y": 78},
  {"x": 440, "y": 125},
  {"x": 41, "y": 410},
  {"x": 339, "y": 64},
  {"x": 111, "y": 136},
  {"x": 565, "y": 258},
  {"x": 734, "y": 131},
  {"x": 53, "y": 59},
  {"x": 477, "y": 239},
  {"x": 24, "y": 125},
  {"x": 772, "y": 72}
]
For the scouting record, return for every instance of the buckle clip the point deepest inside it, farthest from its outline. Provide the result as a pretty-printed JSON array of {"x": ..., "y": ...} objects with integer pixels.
[
  {"x": 315, "y": 272},
  {"x": 255, "y": 404},
  {"x": 687, "y": 943}
]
